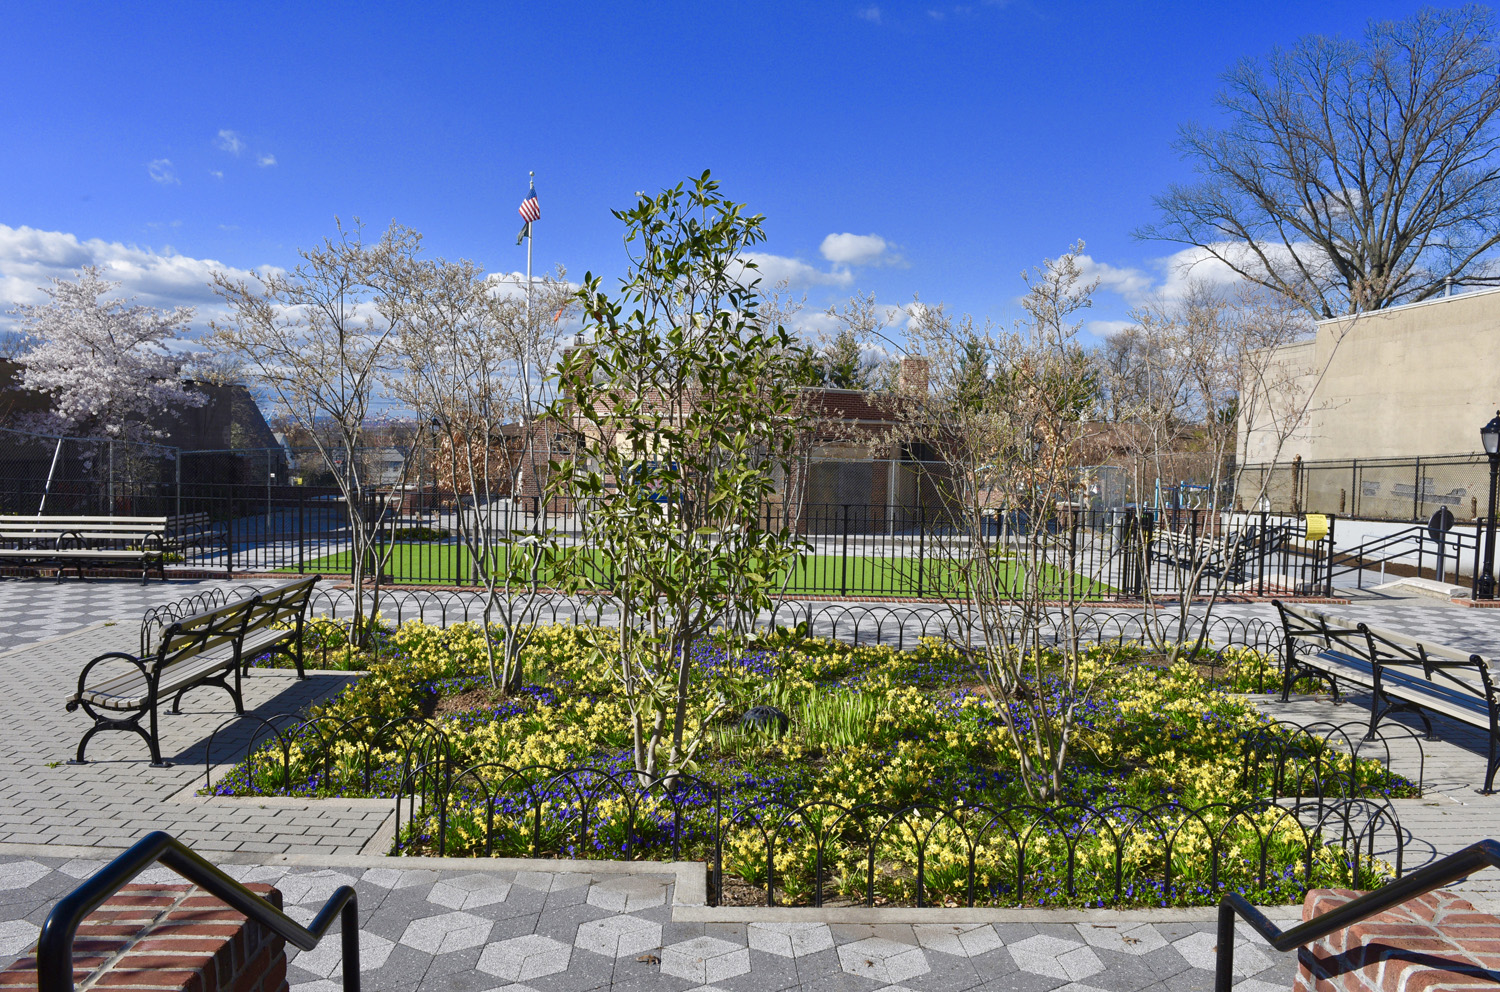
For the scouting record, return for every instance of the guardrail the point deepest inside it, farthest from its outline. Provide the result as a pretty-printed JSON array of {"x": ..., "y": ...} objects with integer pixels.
[
  {"x": 1485, "y": 854},
  {"x": 55, "y": 947}
]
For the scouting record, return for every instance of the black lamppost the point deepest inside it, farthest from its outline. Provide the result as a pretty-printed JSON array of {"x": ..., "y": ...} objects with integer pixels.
[{"x": 1490, "y": 435}]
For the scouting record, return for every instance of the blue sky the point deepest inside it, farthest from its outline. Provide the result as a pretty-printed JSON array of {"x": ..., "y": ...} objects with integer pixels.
[{"x": 971, "y": 140}]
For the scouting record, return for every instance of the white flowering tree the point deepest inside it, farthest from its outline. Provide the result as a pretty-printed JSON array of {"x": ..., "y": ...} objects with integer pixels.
[
  {"x": 320, "y": 339},
  {"x": 106, "y": 364}
]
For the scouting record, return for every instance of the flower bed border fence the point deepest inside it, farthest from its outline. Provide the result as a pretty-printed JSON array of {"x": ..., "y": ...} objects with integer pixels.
[{"x": 428, "y": 788}]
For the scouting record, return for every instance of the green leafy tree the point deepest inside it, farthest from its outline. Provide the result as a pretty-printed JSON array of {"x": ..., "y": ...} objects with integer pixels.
[{"x": 680, "y": 405}]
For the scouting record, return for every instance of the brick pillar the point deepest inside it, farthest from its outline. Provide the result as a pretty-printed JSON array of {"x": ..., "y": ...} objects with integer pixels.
[
  {"x": 170, "y": 938},
  {"x": 1436, "y": 942}
]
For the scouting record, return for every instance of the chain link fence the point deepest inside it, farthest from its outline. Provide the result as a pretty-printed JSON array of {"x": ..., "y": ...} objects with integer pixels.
[{"x": 1395, "y": 489}]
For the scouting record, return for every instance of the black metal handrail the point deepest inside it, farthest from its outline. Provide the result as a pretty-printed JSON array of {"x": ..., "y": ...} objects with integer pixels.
[
  {"x": 1485, "y": 854},
  {"x": 55, "y": 947}
]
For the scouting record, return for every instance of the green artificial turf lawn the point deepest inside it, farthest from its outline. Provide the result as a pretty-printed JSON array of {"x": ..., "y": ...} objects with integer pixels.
[{"x": 814, "y": 575}]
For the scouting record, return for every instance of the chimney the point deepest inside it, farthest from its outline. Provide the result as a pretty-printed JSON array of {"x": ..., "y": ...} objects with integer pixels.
[{"x": 914, "y": 376}]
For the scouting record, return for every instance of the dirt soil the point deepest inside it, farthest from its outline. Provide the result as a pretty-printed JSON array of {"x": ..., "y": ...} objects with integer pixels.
[{"x": 474, "y": 699}]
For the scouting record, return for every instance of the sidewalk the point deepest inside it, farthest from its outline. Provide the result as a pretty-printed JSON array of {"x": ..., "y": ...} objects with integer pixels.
[
  {"x": 490, "y": 926},
  {"x": 486, "y": 926}
]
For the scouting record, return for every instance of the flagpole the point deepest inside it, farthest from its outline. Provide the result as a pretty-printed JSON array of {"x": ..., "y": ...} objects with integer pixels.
[{"x": 529, "y": 238}]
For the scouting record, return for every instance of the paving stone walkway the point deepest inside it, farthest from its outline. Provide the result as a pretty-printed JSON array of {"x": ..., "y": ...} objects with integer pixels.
[
  {"x": 116, "y": 797},
  {"x": 461, "y": 928}
]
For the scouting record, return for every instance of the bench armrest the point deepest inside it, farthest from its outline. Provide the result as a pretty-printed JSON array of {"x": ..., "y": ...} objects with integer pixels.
[{"x": 83, "y": 676}]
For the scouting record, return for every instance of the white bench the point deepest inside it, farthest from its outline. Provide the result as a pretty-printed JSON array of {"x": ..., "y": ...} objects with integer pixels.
[
  {"x": 61, "y": 542},
  {"x": 1402, "y": 673}
]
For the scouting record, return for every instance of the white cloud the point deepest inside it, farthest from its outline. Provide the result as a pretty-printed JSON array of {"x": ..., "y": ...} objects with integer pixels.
[
  {"x": 871, "y": 14},
  {"x": 216, "y": 173},
  {"x": 29, "y": 258},
  {"x": 230, "y": 141},
  {"x": 855, "y": 249},
  {"x": 160, "y": 170},
  {"x": 773, "y": 269},
  {"x": 1193, "y": 265},
  {"x": 1169, "y": 278},
  {"x": 266, "y": 159},
  {"x": 1133, "y": 284},
  {"x": 1102, "y": 329}
]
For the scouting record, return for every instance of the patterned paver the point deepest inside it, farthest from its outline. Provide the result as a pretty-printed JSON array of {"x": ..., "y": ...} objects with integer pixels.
[
  {"x": 555, "y": 937},
  {"x": 481, "y": 930}
]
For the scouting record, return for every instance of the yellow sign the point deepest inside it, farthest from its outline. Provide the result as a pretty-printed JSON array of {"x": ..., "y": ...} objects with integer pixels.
[{"x": 1317, "y": 526}]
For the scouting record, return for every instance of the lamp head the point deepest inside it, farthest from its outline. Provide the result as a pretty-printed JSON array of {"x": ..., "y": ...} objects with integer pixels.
[{"x": 1490, "y": 435}]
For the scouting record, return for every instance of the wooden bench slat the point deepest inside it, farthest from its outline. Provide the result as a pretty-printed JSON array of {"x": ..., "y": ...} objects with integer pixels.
[
  {"x": 204, "y": 648},
  {"x": 1401, "y": 670}
]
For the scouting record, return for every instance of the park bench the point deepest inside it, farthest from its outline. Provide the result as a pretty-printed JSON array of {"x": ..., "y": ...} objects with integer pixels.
[
  {"x": 1224, "y": 554},
  {"x": 1402, "y": 673},
  {"x": 191, "y": 531},
  {"x": 62, "y": 542},
  {"x": 212, "y": 647}
]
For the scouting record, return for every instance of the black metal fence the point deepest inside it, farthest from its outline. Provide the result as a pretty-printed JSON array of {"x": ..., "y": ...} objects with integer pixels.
[
  {"x": 853, "y": 550},
  {"x": 938, "y": 849}
]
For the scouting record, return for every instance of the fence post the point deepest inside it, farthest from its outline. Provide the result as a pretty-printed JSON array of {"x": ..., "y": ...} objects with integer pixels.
[
  {"x": 1260, "y": 569},
  {"x": 844, "y": 557},
  {"x": 1416, "y": 496},
  {"x": 229, "y": 542},
  {"x": 1328, "y": 580},
  {"x": 921, "y": 544},
  {"x": 301, "y": 534},
  {"x": 1354, "y": 487},
  {"x": 1196, "y": 552}
]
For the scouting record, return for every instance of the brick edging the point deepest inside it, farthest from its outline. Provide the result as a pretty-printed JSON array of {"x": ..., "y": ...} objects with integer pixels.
[{"x": 170, "y": 937}]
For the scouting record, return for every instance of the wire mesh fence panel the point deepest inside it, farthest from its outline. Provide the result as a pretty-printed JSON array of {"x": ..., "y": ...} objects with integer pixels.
[{"x": 1406, "y": 489}]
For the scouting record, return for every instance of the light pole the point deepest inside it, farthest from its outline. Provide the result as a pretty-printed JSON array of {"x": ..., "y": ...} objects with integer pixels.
[{"x": 1490, "y": 435}]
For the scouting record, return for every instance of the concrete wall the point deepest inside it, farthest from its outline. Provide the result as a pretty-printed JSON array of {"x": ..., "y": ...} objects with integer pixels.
[{"x": 1414, "y": 380}]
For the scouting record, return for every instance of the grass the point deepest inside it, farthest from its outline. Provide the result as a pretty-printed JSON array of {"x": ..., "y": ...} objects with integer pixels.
[{"x": 814, "y": 575}]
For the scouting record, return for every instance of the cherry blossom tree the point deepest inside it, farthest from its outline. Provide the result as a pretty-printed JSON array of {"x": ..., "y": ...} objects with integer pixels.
[{"x": 106, "y": 363}]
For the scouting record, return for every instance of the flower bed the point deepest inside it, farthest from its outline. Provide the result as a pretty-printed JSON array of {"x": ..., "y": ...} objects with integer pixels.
[{"x": 895, "y": 781}]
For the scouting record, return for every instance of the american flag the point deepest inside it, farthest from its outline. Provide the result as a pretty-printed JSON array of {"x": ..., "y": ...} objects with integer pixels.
[{"x": 530, "y": 210}]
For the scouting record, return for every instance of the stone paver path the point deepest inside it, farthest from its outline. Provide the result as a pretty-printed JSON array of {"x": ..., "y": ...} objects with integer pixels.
[
  {"x": 483, "y": 929},
  {"x": 466, "y": 930},
  {"x": 116, "y": 797}
]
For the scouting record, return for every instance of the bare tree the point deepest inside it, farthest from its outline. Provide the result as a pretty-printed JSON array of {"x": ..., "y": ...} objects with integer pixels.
[
  {"x": 1353, "y": 177},
  {"x": 1006, "y": 416},
  {"x": 319, "y": 338},
  {"x": 1212, "y": 362},
  {"x": 476, "y": 363}
]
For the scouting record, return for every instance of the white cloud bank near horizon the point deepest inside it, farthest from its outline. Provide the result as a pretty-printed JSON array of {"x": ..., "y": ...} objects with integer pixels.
[{"x": 31, "y": 258}]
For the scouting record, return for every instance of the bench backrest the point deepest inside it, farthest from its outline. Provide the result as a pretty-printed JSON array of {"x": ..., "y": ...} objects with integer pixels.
[
  {"x": 1302, "y": 624},
  {"x": 202, "y": 632},
  {"x": 189, "y": 521},
  {"x": 85, "y": 528},
  {"x": 1383, "y": 647},
  {"x": 282, "y": 604}
]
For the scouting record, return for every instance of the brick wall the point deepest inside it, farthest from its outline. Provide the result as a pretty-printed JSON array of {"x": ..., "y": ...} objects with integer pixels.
[
  {"x": 170, "y": 937},
  {"x": 1436, "y": 942}
]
